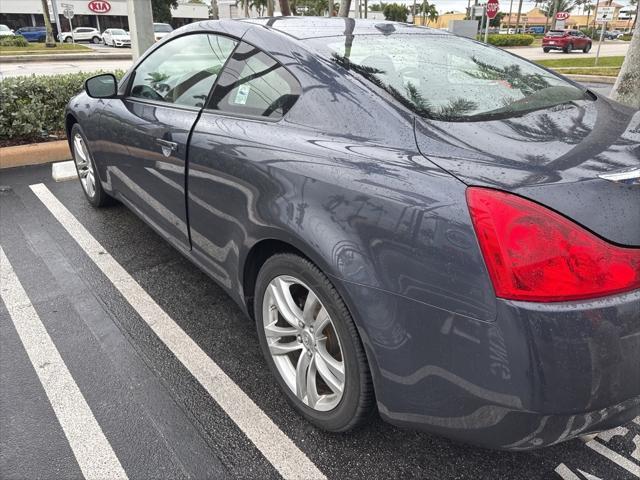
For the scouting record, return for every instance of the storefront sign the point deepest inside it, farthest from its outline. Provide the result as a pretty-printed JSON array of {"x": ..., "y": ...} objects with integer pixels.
[{"x": 99, "y": 6}]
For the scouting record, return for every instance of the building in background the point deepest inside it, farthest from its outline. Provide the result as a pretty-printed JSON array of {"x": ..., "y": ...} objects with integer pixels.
[{"x": 100, "y": 14}]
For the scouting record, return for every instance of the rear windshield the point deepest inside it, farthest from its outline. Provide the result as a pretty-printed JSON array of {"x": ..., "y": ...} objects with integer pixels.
[
  {"x": 447, "y": 77},
  {"x": 163, "y": 27},
  {"x": 555, "y": 33}
]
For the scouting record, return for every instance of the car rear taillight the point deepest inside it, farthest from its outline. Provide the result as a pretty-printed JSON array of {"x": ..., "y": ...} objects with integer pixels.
[{"x": 534, "y": 254}]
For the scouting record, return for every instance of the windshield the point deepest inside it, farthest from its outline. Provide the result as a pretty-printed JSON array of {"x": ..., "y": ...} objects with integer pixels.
[
  {"x": 447, "y": 77},
  {"x": 117, "y": 31},
  {"x": 162, "y": 27}
]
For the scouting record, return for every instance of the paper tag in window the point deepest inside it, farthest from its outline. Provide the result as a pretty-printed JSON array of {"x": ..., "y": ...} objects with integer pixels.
[{"x": 242, "y": 95}]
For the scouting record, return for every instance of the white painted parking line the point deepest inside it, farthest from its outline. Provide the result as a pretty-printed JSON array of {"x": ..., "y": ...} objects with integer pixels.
[
  {"x": 88, "y": 443},
  {"x": 616, "y": 458},
  {"x": 614, "y": 432},
  {"x": 276, "y": 447},
  {"x": 565, "y": 473}
]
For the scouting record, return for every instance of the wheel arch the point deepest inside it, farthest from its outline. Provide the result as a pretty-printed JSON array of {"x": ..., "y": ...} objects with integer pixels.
[{"x": 263, "y": 249}]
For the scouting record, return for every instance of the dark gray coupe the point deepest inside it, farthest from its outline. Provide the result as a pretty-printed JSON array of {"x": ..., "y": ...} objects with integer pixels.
[{"x": 421, "y": 225}]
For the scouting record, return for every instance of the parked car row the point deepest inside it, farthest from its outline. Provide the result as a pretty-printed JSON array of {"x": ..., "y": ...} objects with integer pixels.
[{"x": 115, "y": 37}]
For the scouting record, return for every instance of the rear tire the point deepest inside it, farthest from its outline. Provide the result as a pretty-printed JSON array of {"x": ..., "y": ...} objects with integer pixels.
[
  {"x": 568, "y": 48},
  {"x": 546, "y": 50},
  {"x": 96, "y": 40},
  {"x": 87, "y": 171},
  {"x": 338, "y": 401}
]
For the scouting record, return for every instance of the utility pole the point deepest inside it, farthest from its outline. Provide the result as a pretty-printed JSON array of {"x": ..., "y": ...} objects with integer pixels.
[
  {"x": 56, "y": 18},
  {"x": 140, "y": 26}
]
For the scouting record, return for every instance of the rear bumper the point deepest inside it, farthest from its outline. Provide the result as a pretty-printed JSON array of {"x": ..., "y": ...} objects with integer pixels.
[
  {"x": 537, "y": 375},
  {"x": 554, "y": 47}
]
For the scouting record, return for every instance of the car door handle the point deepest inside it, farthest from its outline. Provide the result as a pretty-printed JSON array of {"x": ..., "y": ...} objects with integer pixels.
[{"x": 167, "y": 146}]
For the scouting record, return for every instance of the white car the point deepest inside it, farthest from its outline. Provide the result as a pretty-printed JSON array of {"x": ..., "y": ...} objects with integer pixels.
[
  {"x": 5, "y": 31},
  {"x": 161, "y": 30},
  {"x": 81, "y": 34},
  {"x": 116, "y": 37}
]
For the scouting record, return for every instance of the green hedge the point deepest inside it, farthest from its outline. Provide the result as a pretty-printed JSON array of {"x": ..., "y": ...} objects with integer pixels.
[
  {"x": 32, "y": 108},
  {"x": 626, "y": 37},
  {"x": 13, "y": 41},
  {"x": 510, "y": 40}
]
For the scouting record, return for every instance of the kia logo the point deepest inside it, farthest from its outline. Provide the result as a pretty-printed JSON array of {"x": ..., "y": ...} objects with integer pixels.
[
  {"x": 562, "y": 15},
  {"x": 99, "y": 6}
]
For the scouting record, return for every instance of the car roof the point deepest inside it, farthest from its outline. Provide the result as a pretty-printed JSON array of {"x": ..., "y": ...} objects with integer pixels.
[{"x": 302, "y": 28}]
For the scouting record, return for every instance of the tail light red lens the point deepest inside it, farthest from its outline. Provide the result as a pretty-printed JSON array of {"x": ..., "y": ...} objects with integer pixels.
[{"x": 537, "y": 255}]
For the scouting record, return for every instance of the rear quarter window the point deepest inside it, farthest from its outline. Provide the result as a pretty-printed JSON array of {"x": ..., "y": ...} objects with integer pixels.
[{"x": 255, "y": 84}]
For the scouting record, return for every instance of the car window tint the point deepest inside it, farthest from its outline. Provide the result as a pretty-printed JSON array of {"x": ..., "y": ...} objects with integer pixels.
[
  {"x": 183, "y": 70},
  {"x": 255, "y": 84}
]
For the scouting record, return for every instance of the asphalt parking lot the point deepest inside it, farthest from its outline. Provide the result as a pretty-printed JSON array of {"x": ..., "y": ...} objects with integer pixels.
[{"x": 120, "y": 358}]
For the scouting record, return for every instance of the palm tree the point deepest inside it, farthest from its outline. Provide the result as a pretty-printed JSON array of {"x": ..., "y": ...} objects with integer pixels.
[
  {"x": 429, "y": 12},
  {"x": 588, "y": 7},
  {"x": 49, "y": 40},
  {"x": 635, "y": 19},
  {"x": 627, "y": 87},
  {"x": 246, "y": 4},
  {"x": 518, "y": 16},
  {"x": 345, "y": 5},
  {"x": 285, "y": 8},
  {"x": 510, "y": 12},
  {"x": 259, "y": 6}
]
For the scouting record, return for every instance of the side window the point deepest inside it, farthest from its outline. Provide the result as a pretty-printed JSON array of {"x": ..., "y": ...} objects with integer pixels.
[
  {"x": 183, "y": 70},
  {"x": 254, "y": 84}
]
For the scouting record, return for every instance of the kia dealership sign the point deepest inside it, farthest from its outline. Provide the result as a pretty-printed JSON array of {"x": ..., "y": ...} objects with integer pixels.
[
  {"x": 99, "y": 6},
  {"x": 562, "y": 15}
]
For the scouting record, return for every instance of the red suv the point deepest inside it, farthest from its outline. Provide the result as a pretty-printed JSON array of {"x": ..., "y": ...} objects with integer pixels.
[{"x": 566, "y": 40}]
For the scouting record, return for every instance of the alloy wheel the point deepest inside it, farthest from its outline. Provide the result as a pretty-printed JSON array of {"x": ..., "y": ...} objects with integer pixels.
[
  {"x": 84, "y": 165},
  {"x": 303, "y": 343}
]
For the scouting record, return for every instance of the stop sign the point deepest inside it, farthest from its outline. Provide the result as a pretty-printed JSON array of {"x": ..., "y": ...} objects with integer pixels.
[{"x": 493, "y": 6}]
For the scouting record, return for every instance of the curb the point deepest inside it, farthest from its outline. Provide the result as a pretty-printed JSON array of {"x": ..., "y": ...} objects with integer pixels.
[
  {"x": 591, "y": 78},
  {"x": 34, "y": 154},
  {"x": 62, "y": 57}
]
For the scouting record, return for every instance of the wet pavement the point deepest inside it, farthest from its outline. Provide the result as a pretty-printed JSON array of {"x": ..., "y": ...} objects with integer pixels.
[{"x": 158, "y": 375}]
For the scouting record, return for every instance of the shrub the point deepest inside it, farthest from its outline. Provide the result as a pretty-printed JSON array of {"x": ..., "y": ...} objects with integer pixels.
[
  {"x": 13, "y": 41},
  {"x": 626, "y": 37},
  {"x": 395, "y": 12},
  {"x": 510, "y": 40},
  {"x": 32, "y": 108}
]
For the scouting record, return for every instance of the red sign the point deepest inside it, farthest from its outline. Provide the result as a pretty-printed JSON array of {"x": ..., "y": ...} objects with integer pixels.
[
  {"x": 562, "y": 15},
  {"x": 99, "y": 6},
  {"x": 493, "y": 6}
]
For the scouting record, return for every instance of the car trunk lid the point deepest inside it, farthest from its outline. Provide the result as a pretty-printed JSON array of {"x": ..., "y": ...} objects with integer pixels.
[{"x": 556, "y": 156}]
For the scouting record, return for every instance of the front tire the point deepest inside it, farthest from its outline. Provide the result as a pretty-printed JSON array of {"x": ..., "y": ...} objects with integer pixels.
[
  {"x": 587, "y": 48},
  {"x": 311, "y": 344},
  {"x": 68, "y": 40},
  {"x": 86, "y": 168}
]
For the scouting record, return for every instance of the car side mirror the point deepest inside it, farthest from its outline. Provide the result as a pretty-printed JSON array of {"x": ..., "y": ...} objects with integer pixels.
[{"x": 102, "y": 86}]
